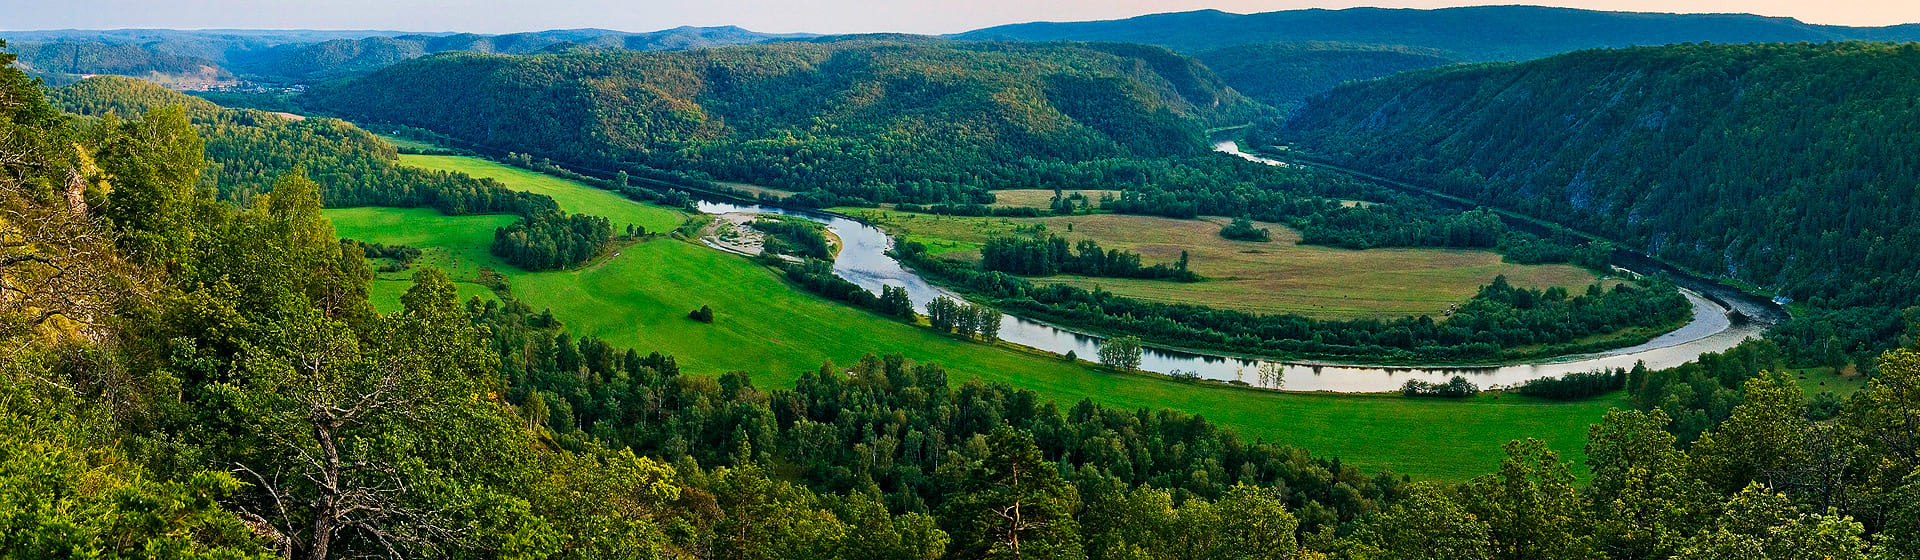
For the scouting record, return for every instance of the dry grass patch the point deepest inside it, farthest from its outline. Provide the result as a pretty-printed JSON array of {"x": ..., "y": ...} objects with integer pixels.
[
  {"x": 1043, "y": 198},
  {"x": 1279, "y": 276}
]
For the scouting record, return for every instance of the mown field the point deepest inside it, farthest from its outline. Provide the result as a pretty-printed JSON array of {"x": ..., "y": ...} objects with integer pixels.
[
  {"x": 572, "y": 196},
  {"x": 640, "y": 299},
  {"x": 1278, "y": 276}
]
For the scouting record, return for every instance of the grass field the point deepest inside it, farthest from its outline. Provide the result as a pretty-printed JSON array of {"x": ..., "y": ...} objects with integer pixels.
[
  {"x": 573, "y": 196},
  {"x": 640, "y": 298},
  {"x": 1043, "y": 198},
  {"x": 1278, "y": 276}
]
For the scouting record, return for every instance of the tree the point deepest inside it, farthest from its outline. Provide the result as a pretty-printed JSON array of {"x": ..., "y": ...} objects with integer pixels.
[
  {"x": 704, "y": 314},
  {"x": 1530, "y": 506},
  {"x": 1763, "y": 440},
  {"x": 1426, "y": 525},
  {"x": 341, "y": 406},
  {"x": 1760, "y": 524},
  {"x": 1014, "y": 505},
  {"x": 987, "y": 321},
  {"x": 1121, "y": 352},
  {"x": 1645, "y": 506}
]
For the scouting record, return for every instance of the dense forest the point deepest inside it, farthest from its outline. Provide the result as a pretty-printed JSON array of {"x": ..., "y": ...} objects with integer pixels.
[
  {"x": 1500, "y": 322},
  {"x": 1788, "y": 167},
  {"x": 248, "y": 150},
  {"x": 304, "y": 56},
  {"x": 844, "y": 122},
  {"x": 1284, "y": 74},
  {"x": 191, "y": 378}
]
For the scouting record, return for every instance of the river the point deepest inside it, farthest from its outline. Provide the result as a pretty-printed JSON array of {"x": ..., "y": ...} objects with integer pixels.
[{"x": 863, "y": 261}]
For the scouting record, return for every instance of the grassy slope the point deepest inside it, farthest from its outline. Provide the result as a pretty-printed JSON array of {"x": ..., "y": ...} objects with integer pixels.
[
  {"x": 1279, "y": 276},
  {"x": 763, "y": 326},
  {"x": 572, "y": 196}
]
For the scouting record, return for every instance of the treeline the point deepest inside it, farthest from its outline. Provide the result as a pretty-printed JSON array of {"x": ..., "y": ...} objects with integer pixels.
[
  {"x": 1657, "y": 147},
  {"x": 1500, "y": 322},
  {"x": 970, "y": 210},
  {"x": 401, "y": 255},
  {"x": 904, "y": 433},
  {"x": 1456, "y": 388},
  {"x": 1045, "y": 255},
  {"x": 552, "y": 240},
  {"x": 948, "y": 316},
  {"x": 816, "y": 275},
  {"x": 1311, "y": 202},
  {"x": 1580, "y": 385}
]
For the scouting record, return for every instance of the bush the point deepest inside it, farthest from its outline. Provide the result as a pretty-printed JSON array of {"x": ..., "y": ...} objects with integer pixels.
[{"x": 704, "y": 314}]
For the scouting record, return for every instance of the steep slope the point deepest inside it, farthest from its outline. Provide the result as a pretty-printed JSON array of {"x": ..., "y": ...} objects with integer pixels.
[
  {"x": 1788, "y": 166},
  {"x": 1472, "y": 33},
  {"x": 875, "y": 120},
  {"x": 1282, "y": 74},
  {"x": 249, "y": 151}
]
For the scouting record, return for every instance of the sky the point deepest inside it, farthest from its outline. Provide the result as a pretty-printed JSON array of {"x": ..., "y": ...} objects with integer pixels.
[{"x": 781, "y": 16}]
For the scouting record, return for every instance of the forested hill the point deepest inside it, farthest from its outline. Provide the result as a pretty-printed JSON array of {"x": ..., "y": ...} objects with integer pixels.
[
  {"x": 1282, "y": 74},
  {"x": 317, "y": 55},
  {"x": 1788, "y": 166},
  {"x": 873, "y": 120},
  {"x": 1473, "y": 33}
]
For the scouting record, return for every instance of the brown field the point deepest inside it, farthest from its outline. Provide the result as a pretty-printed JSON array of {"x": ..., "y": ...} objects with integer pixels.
[
  {"x": 1279, "y": 276},
  {"x": 1043, "y": 198}
]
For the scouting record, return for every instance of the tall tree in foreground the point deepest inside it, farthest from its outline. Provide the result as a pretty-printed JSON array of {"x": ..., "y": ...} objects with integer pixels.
[{"x": 1015, "y": 505}]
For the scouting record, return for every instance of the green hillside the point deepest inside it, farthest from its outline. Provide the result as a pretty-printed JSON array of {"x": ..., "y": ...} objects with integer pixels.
[
  {"x": 875, "y": 121},
  {"x": 1282, "y": 74},
  {"x": 1788, "y": 167}
]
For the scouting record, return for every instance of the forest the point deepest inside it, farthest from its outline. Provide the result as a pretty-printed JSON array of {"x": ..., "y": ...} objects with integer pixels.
[
  {"x": 840, "y": 121},
  {"x": 187, "y": 377},
  {"x": 249, "y": 150},
  {"x": 1657, "y": 147}
]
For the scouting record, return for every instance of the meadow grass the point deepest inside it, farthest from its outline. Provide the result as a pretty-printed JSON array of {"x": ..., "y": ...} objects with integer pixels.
[
  {"x": 1277, "y": 276},
  {"x": 640, "y": 299},
  {"x": 573, "y": 196}
]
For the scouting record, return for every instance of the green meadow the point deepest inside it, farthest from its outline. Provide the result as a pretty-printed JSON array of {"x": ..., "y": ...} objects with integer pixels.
[
  {"x": 573, "y": 196},
  {"x": 640, "y": 297}
]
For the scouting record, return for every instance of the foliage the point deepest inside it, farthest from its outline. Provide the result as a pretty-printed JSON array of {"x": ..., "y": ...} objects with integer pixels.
[
  {"x": 1580, "y": 385},
  {"x": 1045, "y": 255},
  {"x": 1242, "y": 230},
  {"x": 1456, "y": 388},
  {"x": 1657, "y": 147},
  {"x": 1121, "y": 352},
  {"x": 841, "y": 122}
]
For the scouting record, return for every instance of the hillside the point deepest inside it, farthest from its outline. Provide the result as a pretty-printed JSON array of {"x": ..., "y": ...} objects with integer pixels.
[
  {"x": 1472, "y": 33},
  {"x": 873, "y": 120},
  {"x": 341, "y": 57},
  {"x": 1790, "y": 167},
  {"x": 1282, "y": 74}
]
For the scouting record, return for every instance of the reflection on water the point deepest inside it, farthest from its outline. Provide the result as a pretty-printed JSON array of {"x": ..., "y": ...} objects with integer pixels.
[{"x": 863, "y": 261}]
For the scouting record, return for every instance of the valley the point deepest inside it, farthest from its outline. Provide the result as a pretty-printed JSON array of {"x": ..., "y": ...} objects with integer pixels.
[
  {"x": 1464, "y": 283},
  {"x": 639, "y": 299}
]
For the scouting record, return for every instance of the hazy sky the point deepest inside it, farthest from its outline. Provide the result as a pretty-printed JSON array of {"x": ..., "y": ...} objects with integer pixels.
[{"x": 818, "y": 16}]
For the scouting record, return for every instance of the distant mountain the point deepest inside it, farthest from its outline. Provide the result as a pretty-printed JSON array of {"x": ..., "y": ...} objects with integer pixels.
[
  {"x": 885, "y": 121},
  {"x": 1283, "y": 74},
  {"x": 1482, "y": 33},
  {"x": 301, "y": 56}
]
